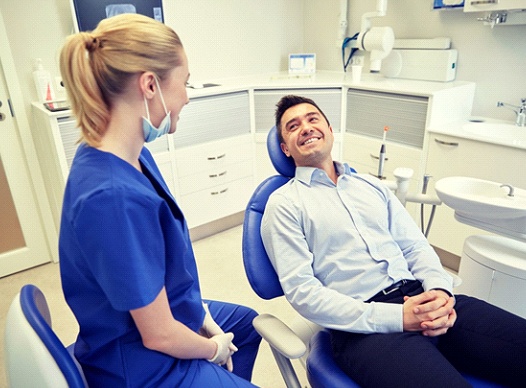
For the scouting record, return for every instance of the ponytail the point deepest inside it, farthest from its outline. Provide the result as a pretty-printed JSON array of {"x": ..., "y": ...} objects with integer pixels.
[{"x": 96, "y": 66}]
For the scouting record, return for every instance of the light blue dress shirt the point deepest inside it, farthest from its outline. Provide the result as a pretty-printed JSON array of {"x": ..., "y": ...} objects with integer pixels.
[{"x": 334, "y": 246}]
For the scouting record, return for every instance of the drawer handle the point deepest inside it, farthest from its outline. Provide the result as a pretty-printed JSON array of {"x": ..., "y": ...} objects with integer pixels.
[
  {"x": 217, "y": 175},
  {"x": 219, "y": 192},
  {"x": 216, "y": 157},
  {"x": 378, "y": 158},
  {"x": 447, "y": 143}
]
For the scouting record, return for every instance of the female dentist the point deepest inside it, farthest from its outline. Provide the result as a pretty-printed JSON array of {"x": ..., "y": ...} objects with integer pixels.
[{"x": 127, "y": 266}]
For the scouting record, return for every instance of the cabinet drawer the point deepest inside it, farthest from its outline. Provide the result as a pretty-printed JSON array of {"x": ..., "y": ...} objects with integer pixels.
[
  {"x": 207, "y": 179},
  {"x": 217, "y": 202},
  {"x": 213, "y": 157}
]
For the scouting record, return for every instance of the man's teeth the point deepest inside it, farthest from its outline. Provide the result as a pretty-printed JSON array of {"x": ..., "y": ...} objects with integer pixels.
[{"x": 311, "y": 140}]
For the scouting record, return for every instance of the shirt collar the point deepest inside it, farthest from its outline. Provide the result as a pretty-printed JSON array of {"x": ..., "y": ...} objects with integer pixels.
[{"x": 307, "y": 174}]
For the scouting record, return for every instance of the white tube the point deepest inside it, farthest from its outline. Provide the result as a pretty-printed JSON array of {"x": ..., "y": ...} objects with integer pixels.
[{"x": 343, "y": 20}]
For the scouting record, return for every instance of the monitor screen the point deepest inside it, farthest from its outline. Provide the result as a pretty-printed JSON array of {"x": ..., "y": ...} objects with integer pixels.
[{"x": 88, "y": 13}]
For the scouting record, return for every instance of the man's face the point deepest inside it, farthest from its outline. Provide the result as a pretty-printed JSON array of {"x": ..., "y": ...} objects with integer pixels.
[{"x": 307, "y": 136}]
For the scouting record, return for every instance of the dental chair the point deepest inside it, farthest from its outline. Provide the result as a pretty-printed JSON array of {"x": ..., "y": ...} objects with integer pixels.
[
  {"x": 308, "y": 342},
  {"x": 34, "y": 356}
]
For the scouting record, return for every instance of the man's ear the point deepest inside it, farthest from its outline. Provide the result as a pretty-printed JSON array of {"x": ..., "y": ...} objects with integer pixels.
[{"x": 284, "y": 149}]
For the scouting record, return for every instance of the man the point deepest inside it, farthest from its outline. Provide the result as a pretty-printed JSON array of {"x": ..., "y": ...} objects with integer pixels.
[{"x": 351, "y": 259}]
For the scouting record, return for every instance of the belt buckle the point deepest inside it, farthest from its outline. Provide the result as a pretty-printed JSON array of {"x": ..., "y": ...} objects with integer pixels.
[
  {"x": 396, "y": 286},
  {"x": 391, "y": 290}
]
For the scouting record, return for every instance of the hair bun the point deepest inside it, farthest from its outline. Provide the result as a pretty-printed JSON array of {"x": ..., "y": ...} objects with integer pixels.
[{"x": 92, "y": 43}]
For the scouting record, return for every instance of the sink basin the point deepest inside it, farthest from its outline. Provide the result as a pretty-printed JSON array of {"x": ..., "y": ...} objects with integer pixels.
[
  {"x": 496, "y": 130},
  {"x": 485, "y": 204}
]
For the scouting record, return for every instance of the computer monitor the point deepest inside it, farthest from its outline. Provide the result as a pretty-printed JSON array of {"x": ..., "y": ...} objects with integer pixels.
[{"x": 88, "y": 13}]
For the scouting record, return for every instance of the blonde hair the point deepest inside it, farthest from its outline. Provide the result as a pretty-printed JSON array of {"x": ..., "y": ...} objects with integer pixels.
[{"x": 96, "y": 66}]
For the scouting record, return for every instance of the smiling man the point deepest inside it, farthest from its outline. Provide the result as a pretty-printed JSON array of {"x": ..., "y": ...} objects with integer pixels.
[{"x": 351, "y": 259}]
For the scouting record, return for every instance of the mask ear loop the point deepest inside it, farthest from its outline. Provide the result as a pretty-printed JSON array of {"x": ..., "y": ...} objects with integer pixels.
[
  {"x": 161, "y": 94},
  {"x": 147, "y": 110}
]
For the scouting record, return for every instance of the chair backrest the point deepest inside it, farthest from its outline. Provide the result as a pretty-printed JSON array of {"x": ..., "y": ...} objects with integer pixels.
[
  {"x": 34, "y": 355},
  {"x": 259, "y": 270}
]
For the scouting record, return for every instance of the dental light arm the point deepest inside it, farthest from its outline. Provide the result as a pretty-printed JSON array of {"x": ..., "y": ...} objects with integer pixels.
[{"x": 378, "y": 41}]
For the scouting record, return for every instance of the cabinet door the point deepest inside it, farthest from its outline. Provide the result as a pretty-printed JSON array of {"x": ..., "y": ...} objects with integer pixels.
[
  {"x": 476, "y": 278},
  {"x": 362, "y": 154},
  {"x": 453, "y": 156},
  {"x": 206, "y": 119},
  {"x": 369, "y": 112},
  {"x": 508, "y": 293}
]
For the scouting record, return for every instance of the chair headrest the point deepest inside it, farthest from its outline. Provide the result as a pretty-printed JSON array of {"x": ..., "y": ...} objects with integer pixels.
[{"x": 282, "y": 163}]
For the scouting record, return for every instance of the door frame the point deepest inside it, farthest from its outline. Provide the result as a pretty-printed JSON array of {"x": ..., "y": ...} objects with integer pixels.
[{"x": 23, "y": 130}]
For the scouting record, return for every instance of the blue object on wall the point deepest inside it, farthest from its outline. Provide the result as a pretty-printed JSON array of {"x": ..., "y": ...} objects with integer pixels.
[{"x": 439, "y": 4}]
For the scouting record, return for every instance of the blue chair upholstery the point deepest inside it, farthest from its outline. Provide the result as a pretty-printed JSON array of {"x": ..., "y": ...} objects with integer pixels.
[
  {"x": 321, "y": 369},
  {"x": 34, "y": 355}
]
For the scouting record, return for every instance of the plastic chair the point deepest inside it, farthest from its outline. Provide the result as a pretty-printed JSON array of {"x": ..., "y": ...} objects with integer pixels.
[
  {"x": 285, "y": 343},
  {"x": 34, "y": 355}
]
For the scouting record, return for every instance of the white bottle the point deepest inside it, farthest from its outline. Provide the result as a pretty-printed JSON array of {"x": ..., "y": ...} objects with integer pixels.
[{"x": 43, "y": 84}]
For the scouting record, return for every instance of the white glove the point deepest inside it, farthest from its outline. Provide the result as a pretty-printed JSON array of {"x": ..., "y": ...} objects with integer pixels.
[
  {"x": 210, "y": 328},
  {"x": 225, "y": 349}
]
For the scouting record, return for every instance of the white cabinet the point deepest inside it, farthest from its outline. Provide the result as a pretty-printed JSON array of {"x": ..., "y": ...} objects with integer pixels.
[
  {"x": 215, "y": 179},
  {"x": 493, "y": 5},
  {"x": 455, "y": 156},
  {"x": 493, "y": 268},
  {"x": 214, "y": 157},
  {"x": 368, "y": 113}
]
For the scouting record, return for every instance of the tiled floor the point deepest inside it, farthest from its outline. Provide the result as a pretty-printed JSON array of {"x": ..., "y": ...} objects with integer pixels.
[{"x": 222, "y": 277}]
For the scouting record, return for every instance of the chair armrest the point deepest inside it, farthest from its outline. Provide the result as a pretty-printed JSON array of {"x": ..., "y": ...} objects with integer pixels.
[{"x": 279, "y": 336}]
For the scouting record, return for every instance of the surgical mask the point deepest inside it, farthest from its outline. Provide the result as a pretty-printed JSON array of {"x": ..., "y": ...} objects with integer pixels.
[{"x": 149, "y": 130}]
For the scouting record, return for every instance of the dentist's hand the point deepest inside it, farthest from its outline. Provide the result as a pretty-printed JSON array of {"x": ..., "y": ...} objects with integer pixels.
[
  {"x": 225, "y": 349},
  {"x": 210, "y": 329}
]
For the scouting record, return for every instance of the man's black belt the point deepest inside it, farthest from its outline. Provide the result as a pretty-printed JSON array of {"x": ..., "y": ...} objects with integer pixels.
[{"x": 394, "y": 287}]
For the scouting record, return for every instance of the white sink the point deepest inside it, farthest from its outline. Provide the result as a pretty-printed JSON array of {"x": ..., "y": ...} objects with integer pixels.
[
  {"x": 497, "y": 130},
  {"x": 485, "y": 204}
]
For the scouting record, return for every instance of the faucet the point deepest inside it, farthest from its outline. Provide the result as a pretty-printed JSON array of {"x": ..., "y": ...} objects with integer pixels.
[{"x": 520, "y": 111}]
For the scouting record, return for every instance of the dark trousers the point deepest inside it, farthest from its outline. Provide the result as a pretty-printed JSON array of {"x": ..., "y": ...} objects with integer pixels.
[{"x": 486, "y": 342}]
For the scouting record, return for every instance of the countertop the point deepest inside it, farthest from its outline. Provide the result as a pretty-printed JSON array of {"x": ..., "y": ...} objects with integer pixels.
[
  {"x": 468, "y": 130},
  {"x": 326, "y": 79}
]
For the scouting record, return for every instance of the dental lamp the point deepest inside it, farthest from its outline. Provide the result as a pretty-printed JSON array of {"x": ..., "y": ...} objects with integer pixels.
[{"x": 378, "y": 41}]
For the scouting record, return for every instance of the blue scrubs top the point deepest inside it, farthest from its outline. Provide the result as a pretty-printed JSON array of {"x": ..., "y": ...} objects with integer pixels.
[{"x": 122, "y": 238}]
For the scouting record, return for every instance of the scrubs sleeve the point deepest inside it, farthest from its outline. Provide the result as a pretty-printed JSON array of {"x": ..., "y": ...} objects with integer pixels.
[{"x": 120, "y": 237}]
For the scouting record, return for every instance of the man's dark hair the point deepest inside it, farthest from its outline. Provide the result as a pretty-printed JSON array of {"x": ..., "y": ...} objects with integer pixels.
[{"x": 289, "y": 101}]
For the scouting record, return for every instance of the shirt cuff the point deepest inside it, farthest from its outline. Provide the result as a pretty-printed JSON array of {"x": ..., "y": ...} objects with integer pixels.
[
  {"x": 388, "y": 317},
  {"x": 438, "y": 284}
]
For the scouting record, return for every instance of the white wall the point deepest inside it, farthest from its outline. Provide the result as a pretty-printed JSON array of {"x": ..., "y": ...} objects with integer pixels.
[
  {"x": 222, "y": 38},
  {"x": 493, "y": 58},
  {"x": 226, "y": 38}
]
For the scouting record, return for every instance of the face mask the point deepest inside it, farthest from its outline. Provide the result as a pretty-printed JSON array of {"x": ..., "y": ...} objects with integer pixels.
[{"x": 149, "y": 130}]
